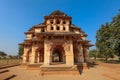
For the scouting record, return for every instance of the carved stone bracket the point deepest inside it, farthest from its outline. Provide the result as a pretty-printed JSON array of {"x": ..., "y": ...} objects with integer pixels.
[
  {"x": 66, "y": 47},
  {"x": 49, "y": 45}
]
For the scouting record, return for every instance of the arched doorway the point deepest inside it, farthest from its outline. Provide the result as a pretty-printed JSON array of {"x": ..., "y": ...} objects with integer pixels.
[
  {"x": 39, "y": 57},
  {"x": 56, "y": 57},
  {"x": 58, "y": 54},
  {"x": 28, "y": 55}
]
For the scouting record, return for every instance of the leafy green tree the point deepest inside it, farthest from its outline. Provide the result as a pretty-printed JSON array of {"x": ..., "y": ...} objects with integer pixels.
[
  {"x": 115, "y": 27},
  {"x": 21, "y": 50},
  {"x": 93, "y": 53},
  {"x": 104, "y": 41},
  {"x": 108, "y": 38},
  {"x": 2, "y": 53}
]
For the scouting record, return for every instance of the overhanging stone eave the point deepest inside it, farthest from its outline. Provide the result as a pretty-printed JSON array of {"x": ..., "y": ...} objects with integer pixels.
[
  {"x": 27, "y": 40},
  {"x": 29, "y": 32},
  {"x": 84, "y": 41},
  {"x": 52, "y": 16},
  {"x": 56, "y": 33},
  {"x": 20, "y": 44},
  {"x": 90, "y": 45},
  {"x": 37, "y": 40},
  {"x": 23, "y": 44},
  {"x": 39, "y": 26}
]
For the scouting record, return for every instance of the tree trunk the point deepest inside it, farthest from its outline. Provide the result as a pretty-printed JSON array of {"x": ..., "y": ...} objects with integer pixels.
[
  {"x": 95, "y": 58},
  {"x": 119, "y": 58},
  {"x": 106, "y": 58}
]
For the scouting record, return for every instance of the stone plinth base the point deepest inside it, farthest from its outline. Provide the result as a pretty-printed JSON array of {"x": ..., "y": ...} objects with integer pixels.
[
  {"x": 59, "y": 70},
  {"x": 23, "y": 65},
  {"x": 83, "y": 66},
  {"x": 34, "y": 66},
  {"x": 31, "y": 66}
]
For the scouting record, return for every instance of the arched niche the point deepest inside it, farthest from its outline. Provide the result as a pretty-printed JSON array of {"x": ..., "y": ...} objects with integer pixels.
[{"x": 58, "y": 54}]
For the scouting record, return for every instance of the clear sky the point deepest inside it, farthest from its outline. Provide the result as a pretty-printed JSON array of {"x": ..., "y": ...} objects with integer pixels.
[{"x": 17, "y": 16}]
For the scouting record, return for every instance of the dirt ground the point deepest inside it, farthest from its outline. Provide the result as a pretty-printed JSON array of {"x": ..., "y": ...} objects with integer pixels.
[
  {"x": 111, "y": 71},
  {"x": 102, "y": 71}
]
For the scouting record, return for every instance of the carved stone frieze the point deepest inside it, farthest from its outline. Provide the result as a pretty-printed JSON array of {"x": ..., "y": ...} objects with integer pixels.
[{"x": 66, "y": 47}]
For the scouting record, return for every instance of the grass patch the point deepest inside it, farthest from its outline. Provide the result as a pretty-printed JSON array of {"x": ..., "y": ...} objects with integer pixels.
[{"x": 9, "y": 61}]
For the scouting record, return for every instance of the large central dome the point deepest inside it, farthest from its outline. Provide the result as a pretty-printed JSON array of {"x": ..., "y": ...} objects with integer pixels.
[{"x": 57, "y": 13}]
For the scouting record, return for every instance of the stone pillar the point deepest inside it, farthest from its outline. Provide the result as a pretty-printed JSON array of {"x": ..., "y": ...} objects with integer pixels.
[
  {"x": 86, "y": 54},
  {"x": 67, "y": 27},
  {"x": 38, "y": 57},
  {"x": 81, "y": 55},
  {"x": 33, "y": 54},
  {"x": 54, "y": 21},
  {"x": 26, "y": 49},
  {"x": 54, "y": 27},
  {"x": 50, "y": 56},
  {"x": 68, "y": 47},
  {"x": 47, "y": 48},
  {"x": 64, "y": 58},
  {"x": 61, "y": 21},
  {"x": 61, "y": 28},
  {"x": 69, "y": 59}
]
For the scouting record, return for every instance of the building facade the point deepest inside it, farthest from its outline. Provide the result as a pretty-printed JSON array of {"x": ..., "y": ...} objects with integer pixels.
[{"x": 56, "y": 40}]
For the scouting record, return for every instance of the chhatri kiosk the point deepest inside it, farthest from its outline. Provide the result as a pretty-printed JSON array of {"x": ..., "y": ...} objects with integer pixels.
[{"x": 54, "y": 42}]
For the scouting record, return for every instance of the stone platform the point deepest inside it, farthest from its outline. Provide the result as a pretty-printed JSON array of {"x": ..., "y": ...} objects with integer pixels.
[
  {"x": 57, "y": 68},
  {"x": 35, "y": 66},
  {"x": 61, "y": 69}
]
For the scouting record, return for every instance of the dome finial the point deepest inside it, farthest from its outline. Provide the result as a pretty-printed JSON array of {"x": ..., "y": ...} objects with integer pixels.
[{"x": 57, "y": 13}]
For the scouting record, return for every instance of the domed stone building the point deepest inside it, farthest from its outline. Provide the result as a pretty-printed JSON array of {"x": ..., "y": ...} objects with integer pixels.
[{"x": 56, "y": 40}]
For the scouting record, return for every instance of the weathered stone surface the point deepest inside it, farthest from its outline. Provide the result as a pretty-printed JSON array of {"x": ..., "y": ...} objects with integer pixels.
[{"x": 56, "y": 40}]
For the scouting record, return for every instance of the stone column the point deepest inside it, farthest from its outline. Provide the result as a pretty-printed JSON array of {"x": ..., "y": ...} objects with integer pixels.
[
  {"x": 86, "y": 55},
  {"x": 61, "y": 21},
  {"x": 26, "y": 49},
  {"x": 67, "y": 27},
  {"x": 47, "y": 48},
  {"x": 81, "y": 55},
  {"x": 68, "y": 47},
  {"x": 50, "y": 56},
  {"x": 33, "y": 54},
  {"x": 61, "y": 28},
  {"x": 54, "y": 27},
  {"x": 38, "y": 57}
]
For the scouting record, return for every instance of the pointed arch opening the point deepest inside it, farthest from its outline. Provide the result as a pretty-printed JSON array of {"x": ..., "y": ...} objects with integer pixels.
[
  {"x": 39, "y": 57},
  {"x": 58, "y": 54}
]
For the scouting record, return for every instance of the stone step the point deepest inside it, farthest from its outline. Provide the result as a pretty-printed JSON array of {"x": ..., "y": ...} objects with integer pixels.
[
  {"x": 58, "y": 69},
  {"x": 33, "y": 66},
  {"x": 7, "y": 66},
  {"x": 7, "y": 76},
  {"x": 3, "y": 71},
  {"x": 42, "y": 73}
]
